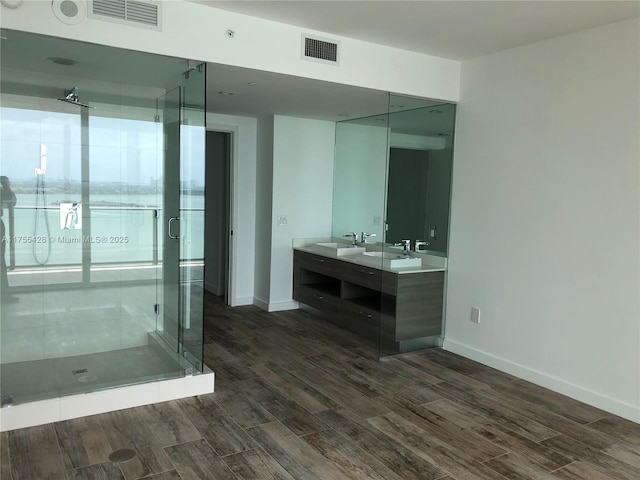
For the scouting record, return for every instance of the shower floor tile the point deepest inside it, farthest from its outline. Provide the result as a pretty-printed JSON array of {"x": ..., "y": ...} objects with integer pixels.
[{"x": 39, "y": 379}]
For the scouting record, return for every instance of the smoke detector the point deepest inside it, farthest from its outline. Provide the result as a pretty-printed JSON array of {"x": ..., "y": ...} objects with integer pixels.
[{"x": 70, "y": 12}]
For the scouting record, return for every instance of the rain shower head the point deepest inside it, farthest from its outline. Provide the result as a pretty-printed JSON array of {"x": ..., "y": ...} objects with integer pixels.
[{"x": 71, "y": 96}]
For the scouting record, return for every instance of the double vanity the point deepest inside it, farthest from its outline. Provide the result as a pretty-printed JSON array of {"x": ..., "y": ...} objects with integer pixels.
[
  {"x": 387, "y": 295},
  {"x": 391, "y": 183}
]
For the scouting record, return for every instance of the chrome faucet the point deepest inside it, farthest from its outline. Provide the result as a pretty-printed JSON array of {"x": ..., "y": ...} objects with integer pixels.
[
  {"x": 365, "y": 236},
  {"x": 405, "y": 244},
  {"x": 418, "y": 244},
  {"x": 354, "y": 238}
]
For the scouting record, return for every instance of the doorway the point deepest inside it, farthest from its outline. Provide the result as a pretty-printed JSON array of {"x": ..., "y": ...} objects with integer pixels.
[{"x": 218, "y": 218}]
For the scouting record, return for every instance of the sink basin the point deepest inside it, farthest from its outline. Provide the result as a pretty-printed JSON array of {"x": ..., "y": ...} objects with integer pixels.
[
  {"x": 339, "y": 249},
  {"x": 390, "y": 259}
]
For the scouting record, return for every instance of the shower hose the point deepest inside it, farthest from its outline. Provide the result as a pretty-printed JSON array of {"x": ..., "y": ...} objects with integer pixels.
[{"x": 41, "y": 222}]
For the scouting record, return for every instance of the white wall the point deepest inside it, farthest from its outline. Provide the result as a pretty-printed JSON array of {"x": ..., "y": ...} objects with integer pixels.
[
  {"x": 194, "y": 31},
  {"x": 243, "y": 203},
  {"x": 303, "y": 153},
  {"x": 264, "y": 193},
  {"x": 545, "y": 215}
]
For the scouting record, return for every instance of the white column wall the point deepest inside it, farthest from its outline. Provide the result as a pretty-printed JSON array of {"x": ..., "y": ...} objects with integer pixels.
[
  {"x": 264, "y": 193},
  {"x": 303, "y": 152}
]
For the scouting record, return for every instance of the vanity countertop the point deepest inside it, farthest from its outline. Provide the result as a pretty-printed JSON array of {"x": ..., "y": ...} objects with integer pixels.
[{"x": 425, "y": 267}]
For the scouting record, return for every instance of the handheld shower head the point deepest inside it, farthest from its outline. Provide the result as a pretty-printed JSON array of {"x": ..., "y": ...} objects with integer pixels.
[{"x": 71, "y": 96}]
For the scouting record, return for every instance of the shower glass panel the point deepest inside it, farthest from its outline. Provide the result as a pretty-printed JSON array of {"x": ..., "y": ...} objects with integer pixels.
[
  {"x": 191, "y": 170},
  {"x": 169, "y": 115},
  {"x": 361, "y": 151},
  {"x": 83, "y": 245},
  {"x": 181, "y": 113},
  {"x": 417, "y": 210}
]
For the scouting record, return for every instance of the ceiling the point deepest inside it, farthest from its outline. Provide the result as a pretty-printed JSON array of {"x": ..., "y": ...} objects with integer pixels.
[
  {"x": 456, "y": 29},
  {"x": 453, "y": 29},
  {"x": 115, "y": 76}
]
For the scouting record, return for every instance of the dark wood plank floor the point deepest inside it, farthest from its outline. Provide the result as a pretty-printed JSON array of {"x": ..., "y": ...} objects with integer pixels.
[{"x": 297, "y": 398}]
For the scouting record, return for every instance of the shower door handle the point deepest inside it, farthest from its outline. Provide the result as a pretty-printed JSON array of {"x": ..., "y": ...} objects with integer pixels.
[{"x": 169, "y": 232}]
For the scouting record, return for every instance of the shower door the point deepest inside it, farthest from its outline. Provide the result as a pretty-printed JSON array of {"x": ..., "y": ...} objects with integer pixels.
[
  {"x": 182, "y": 116},
  {"x": 169, "y": 286}
]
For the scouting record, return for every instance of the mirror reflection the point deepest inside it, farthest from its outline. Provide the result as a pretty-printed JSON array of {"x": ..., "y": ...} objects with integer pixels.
[{"x": 394, "y": 170}]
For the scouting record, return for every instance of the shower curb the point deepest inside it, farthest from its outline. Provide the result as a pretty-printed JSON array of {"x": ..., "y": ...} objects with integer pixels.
[{"x": 74, "y": 406}]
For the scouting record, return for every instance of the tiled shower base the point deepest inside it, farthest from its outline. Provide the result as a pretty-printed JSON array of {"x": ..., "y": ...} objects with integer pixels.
[{"x": 68, "y": 377}]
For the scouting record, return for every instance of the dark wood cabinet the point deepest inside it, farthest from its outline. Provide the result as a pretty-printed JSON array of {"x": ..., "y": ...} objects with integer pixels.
[{"x": 399, "y": 310}]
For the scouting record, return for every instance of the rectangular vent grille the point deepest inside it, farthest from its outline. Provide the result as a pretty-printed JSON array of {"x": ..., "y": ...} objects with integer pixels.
[
  {"x": 110, "y": 8},
  {"x": 144, "y": 13},
  {"x": 315, "y": 48}
]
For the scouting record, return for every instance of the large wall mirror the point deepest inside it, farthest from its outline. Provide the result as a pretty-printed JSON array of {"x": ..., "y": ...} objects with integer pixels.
[{"x": 394, "y": 170}]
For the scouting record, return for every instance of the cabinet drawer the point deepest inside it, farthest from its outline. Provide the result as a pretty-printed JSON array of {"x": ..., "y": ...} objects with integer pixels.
[
  {"x": 354, "y": 310},
  {"x": 316, "y": 263},
  {"x": 362, "y": 275},
  {"x": 317, "y": 299},
  {"x": 360, "y": 320}
]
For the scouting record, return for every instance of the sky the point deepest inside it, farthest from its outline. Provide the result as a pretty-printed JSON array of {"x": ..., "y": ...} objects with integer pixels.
[{"x": 121, "y": 150}]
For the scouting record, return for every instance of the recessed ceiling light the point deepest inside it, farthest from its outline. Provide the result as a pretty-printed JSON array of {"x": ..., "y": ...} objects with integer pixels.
[
  {"x": 343, "y": 114},
  {"x": 251, "y": 83},
  {"x": 444, "y": 134},
  {"x": 225, "y": 93},
  {"x": 397, "y": 106},
  {"x": 435, "y": 111},
  {"x": 62, "y": 61}
]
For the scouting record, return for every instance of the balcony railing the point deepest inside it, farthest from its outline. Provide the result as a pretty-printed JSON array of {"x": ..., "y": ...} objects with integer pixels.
[{"x": 121, "y": 239}]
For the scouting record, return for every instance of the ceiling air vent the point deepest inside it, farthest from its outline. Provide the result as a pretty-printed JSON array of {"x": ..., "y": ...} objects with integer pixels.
[
  {"x": 141, "y": 13},
  {"x": 319, "y": 50}
]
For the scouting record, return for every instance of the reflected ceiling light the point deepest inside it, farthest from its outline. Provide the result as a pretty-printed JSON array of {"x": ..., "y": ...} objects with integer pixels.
[
  {"x": 343, "y": 114},
  {"x": 225, "y": 93},
  {"x": 251, "y": 83},
  {"x": 435, "y": 111},
  {"x": 62, "y": 61},
  {"x": 397, "y": 106},
  {"x": 444, "y": 134},
  {"x": 11, "y": 3}
]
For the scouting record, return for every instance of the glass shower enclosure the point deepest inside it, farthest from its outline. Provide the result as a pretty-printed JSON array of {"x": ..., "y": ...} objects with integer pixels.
[{"x": 103, "y": 218}]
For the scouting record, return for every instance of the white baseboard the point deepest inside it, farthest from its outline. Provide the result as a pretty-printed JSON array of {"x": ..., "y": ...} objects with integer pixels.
[
  {"x": 241, "y": 301},
  {"x": 276, "y": 307},
  {"x": 261, "y": 303},
  {"x": 622, "y": 409},
  {"x": 282, "y": 306}
]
